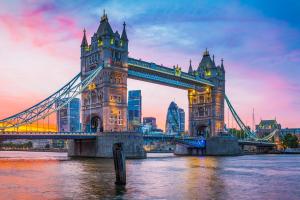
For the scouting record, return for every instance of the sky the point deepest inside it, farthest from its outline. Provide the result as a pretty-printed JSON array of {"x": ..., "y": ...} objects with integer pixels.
[{"x": 259, "y": 41}]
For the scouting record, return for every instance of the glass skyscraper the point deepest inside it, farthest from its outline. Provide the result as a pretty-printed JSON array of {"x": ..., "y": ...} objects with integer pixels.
[
  {"x": 181, "y": 120},
  {"x": 151, "y": 121},
  {"x": 134, "y": 109},
  {"x": 68, "y": 117},
  {"x": 175, "y": 122}
]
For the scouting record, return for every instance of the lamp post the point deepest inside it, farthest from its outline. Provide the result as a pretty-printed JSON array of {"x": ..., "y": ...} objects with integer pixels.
[{"x": 91, "y": 87}]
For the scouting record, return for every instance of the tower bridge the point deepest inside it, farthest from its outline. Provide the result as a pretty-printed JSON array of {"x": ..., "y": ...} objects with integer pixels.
[
  {"x": 104, "y": 106},
  {"x": 102, "y": 84}
]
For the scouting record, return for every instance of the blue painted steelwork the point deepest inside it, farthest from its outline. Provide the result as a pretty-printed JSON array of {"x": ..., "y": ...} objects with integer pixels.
[
  {"x": 193, "y": 142},
  {"x": 238, "y": 120},
  {"x": 159, "y": 79},
  {"x": 138, "y": 69}
]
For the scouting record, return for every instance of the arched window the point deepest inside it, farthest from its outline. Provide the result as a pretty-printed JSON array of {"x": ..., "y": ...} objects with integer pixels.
[
  {"x": 85, "y": 101},
  {"x": 94, "y": 97}
]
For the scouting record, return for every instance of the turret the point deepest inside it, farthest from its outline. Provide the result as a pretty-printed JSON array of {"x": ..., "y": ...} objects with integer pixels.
[
  {"x": 190, "y": 68},
  {"x": 104, "y": 28},
  {"x": 222, "y": 65},
  {"x": 124, "y": 39},
  {"x": 206, "y": 66},
  {"x": 107, "y": 101},
  {"x": 84, "y": 42}
]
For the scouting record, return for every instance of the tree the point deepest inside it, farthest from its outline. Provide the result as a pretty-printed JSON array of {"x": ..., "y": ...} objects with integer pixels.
[
  {"x": 237, "y": 133},
  {"x": 289, "y": 141}
]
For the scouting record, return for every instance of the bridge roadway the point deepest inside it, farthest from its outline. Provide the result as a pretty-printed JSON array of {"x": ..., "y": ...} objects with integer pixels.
[
  {"x": 46, "y": 135},
  {"x": 75, "y": 135},
  {"x": 196, "y": 142}
]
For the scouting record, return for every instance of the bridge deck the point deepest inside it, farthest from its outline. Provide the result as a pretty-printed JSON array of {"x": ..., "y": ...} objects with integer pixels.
[
  {"x": 82, "y": 135},
  {"x": 46, "y": 135},
  {"x": 256, "y": 143}
]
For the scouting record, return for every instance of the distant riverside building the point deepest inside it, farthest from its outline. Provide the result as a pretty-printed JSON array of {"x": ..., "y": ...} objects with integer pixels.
[
  {"x": 293, "y": 131},
  {"x": 134, "y": 109},
  {"x": 265, "y": 127},
  {"x": 68, "y": 117},
  {"x": 151, "y": 121},
  {"x": 150, "y": 126},
  {"x": 175, "y": 119},
  {"x": 147, "y": 129}
]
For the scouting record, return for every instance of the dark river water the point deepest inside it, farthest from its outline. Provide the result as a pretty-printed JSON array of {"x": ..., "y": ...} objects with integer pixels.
[{"x": 35, "y": 175}]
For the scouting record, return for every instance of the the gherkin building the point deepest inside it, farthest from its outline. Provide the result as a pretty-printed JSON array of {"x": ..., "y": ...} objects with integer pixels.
[{"x": 175, "y": 121}]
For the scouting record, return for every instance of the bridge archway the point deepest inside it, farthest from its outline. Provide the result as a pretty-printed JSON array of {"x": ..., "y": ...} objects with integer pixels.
[
  {"x": 201, "y": 130},
  {"x": 96, "y": 124}
]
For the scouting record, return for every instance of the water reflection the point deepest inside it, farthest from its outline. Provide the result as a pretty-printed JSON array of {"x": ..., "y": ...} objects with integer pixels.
[{"x": 162, "y": 176}]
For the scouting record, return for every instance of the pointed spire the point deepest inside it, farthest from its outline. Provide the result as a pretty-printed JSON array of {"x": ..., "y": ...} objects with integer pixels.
[
  {"x": 84, "y": 40},
  {"x": 206, "y": 61},
  {"x": 206, "y": 52},
  {"x": 104, "y": 16},
  {"x": 222, "y": 65},
  {"x": 124, "y": 35},
  {"x": 214, "y": 60},
  {"x": 104, "y": 27},
  {"x": 190, "y": 67},
  {"x": 117, "y": 34}
]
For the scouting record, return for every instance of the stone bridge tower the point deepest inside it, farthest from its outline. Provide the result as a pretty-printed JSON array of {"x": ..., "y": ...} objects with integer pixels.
[
  {"x": 104, "y": 102},
  {"x": 206, "y": 105}
]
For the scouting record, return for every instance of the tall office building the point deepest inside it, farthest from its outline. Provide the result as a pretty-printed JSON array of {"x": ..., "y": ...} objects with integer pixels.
[
  {"x": 265, "y": 127},
  {"x": 175, "y": 119},
  {"x": 68, "y": 117},
  {"x": 150, "y": 121},
  {"x": 181, "y": 120},
  {"x": 134, "y": 109}
]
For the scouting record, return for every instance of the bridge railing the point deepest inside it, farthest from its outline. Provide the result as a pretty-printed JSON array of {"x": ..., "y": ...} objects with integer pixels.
[{"x": 45, "y": 133}]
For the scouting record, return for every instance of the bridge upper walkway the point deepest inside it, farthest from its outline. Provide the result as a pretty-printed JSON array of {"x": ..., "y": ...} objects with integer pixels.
[{"x": 151, "y": 72}]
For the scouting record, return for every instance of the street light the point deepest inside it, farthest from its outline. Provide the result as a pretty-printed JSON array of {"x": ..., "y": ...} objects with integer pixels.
[{"x": 92, "y": 86}]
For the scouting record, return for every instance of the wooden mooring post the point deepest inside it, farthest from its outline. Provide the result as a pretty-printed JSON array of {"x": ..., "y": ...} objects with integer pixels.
[{"x": 120, "y": 165}]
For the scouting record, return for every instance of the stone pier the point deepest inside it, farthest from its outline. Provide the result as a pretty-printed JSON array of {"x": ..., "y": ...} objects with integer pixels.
[
  {"x": 183, "y": 150},
  {"x": 222, "y": 146},
  {"x": 215, "y": 146},
  {"x": 103, "y": 144}
]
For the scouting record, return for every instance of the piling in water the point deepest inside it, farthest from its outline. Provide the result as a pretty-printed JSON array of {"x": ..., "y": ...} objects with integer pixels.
[{"x": 119, "y": 161}]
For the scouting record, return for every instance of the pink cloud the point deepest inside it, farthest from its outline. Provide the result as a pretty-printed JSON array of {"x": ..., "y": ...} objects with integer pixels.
[
  {"x": 269, "y": 93},
  {"x": 43, "y": 28}
]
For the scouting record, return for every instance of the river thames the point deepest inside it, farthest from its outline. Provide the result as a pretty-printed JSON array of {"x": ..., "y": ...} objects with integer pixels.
[{"x": 44, "y": 175}]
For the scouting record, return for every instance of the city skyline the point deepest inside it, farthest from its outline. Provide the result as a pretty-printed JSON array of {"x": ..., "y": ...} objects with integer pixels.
[{"x": 260, "y": 65}]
